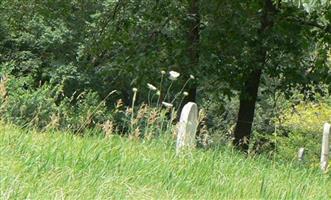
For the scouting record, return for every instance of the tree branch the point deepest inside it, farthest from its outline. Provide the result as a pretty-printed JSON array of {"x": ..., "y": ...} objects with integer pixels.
[{"x": 326, "y": 28}]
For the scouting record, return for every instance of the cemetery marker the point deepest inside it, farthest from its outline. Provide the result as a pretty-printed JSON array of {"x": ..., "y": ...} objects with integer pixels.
[
  {"x": 187, "y": 129},
  {"x": 301, "y": 154},
  {"x": 325, "y": 147}
]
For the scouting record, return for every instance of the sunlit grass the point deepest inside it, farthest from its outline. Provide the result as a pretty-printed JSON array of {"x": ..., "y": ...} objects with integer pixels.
[{"x": 62, "y": 166}]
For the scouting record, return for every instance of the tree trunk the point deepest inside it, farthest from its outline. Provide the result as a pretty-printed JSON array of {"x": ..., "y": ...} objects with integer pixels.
[
  {"x": 249, "y": 92},
  {"x": 192, "y": 93},
  {"x": 248, "y": 98},
  {"x": 193, "y": 46}
]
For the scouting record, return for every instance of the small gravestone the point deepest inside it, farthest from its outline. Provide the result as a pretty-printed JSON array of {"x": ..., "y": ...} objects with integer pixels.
[
  {"x": 187, "y": 129},
  {"x": 325, "y": 147},
  {"x": 301, "y": 154}
]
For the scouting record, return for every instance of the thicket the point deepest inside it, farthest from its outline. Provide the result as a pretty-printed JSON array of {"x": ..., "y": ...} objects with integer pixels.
[
  {"x": 60, "y": 62},
  {"x": 301, "y": 125},
  {"x": 282, "y": 126},
  {"x": 47, "y": 107}
]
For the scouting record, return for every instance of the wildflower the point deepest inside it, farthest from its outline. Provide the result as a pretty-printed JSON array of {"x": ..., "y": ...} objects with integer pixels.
[
  {"x": 168, "y": 105},
  {"x": 151, "y": 87},
  {"x": 192, "y": 77},
  {"x": 134, "y": 89},
  {"x": 185, "y": 93},
  {"x": 173, "y": 75},
  {"x": 163, "y": 72},
  {"x": 158, "y": 93}
]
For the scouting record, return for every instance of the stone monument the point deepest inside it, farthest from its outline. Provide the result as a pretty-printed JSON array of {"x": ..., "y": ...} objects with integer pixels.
[{"x": 187, "y": 128}]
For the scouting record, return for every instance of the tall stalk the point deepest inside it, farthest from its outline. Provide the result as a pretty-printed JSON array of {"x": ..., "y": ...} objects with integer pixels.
[{"x": 133, "y": 102}]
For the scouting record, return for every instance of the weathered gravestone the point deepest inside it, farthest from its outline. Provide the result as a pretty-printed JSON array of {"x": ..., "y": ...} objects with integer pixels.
[
  {"x": 325, "y": 147},
  {"x": 187, "y": 128},
  {"x": 301, "y": 154}
]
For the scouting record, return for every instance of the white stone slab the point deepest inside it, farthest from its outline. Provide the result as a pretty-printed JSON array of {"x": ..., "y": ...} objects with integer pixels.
[
  {"x": 301, "y": 153},
  {"x": 187, "y": 128},
  {"x": 325, "y": 147}
]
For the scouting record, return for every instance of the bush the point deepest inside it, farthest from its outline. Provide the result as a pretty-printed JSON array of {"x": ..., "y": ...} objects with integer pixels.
[
  {"x": 46, "y": 106},
  {"x": 26, "y": 106},
  {"x": 84, "y": 110},
  {"x": 302, "y": 126}
]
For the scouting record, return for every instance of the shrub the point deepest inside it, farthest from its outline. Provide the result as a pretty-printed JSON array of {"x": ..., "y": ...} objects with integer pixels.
[
  {"x": 302, "y": 126},
  {"x": 40, "y": 107},
  {"x": 26, "y": 106},
  {"x": 48, "y": 106}
]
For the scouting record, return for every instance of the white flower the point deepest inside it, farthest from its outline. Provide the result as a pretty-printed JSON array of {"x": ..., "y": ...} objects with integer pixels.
[
  {"x": 168, "y": 105},
  {"x": 185, "y": 93},
  {"x": 151, "y": 87},
  {"x": 134, "y": 89},
  {"x": 163, "y": 72},
  {"x": 158, "y": 93},
  {"x": 192, "y": 77},
  {"x": 173, "y": 75}
]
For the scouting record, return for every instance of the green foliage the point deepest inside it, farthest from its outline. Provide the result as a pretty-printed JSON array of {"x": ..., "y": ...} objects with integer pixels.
[
  {"x": 64, "y": 57},
  {"x": 42, "y": 107},
  {"x": 106, "y": 42},
  {"x": 153, "y": 117},
  {"x": 48, "y": 107},
  {"x": 88, "y": 111},
  {"x": 25, "y": 105},
  {"x": 302, "y": 126}
]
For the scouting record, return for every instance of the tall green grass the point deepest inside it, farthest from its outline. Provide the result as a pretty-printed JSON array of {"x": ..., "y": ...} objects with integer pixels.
[{"x": 57, "y": 165}]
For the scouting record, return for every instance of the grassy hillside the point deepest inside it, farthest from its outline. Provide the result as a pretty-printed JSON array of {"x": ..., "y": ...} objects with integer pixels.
[{"x": 62, "y": 166}]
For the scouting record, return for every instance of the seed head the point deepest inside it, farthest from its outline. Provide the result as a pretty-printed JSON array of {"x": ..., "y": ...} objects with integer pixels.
[
  {"x": 163, "y": 72},
  {"x": 185, "y": 93},
  {"x": 192, "y": 77},
  {"x": 134, "y": 89}
]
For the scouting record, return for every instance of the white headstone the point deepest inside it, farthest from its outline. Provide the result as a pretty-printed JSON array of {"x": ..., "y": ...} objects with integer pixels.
[
  {"x": 301, "y": 153},
  {"x": 325, "y": 147},
  {"x": 187, "y": 129}
]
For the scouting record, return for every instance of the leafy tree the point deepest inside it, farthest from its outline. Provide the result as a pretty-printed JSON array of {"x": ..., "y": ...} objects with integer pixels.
[{"x": 263, "y": 39}]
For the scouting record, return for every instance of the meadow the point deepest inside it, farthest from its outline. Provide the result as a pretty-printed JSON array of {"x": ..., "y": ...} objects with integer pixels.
[
  {"x": 93, "y": 96},
  {"x": 59, "y": 165}
]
